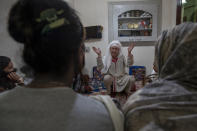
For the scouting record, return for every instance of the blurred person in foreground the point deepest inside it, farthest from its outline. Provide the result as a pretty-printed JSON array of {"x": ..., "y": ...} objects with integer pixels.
[
  {"x": 170, "y": 103},
  {"x": 53, "y": 39}
]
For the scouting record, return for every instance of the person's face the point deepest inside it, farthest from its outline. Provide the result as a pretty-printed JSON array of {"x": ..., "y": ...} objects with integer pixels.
[
  {"x": 9, "y": 68},
  {"x": 114, "y": 51}
]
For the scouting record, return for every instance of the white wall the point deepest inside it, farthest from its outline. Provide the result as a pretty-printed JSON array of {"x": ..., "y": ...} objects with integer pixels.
[
  {"x": 168, "y": 14},
  {"x": 8, "y": 46},
  {"x": 70, "y": 2},
  {"x": 95, "y": 12}
]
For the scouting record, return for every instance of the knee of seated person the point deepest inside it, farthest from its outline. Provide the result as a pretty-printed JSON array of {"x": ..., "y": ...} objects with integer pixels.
[{"x": 108, "y": 78}]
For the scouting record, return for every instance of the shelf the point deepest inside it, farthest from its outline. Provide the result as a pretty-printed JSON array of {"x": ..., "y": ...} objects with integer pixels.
[
  {"x": 134, "y": 29},
  {"x": 122, "y": 18},
  {"x": 133, "y": 21}
]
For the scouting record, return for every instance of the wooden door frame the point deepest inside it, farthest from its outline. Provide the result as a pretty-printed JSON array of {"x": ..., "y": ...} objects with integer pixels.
[{"x": 178, "y": 12}]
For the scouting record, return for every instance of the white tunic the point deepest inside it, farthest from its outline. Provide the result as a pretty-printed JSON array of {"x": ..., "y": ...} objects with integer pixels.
[{"x": 117, "y": 70}]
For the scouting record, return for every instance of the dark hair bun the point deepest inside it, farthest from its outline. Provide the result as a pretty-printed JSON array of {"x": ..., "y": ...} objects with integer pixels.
[
  {"x": 19, "y": 24},
  {"x": 51, "y": 31}
]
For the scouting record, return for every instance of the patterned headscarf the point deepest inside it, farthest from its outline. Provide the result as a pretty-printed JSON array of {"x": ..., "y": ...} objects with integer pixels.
[
  {"x": 176, "y": 55},
  {"x": 108, "y": 58}
]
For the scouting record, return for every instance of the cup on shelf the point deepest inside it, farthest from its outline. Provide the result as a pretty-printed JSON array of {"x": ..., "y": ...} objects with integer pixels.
[
  {"x": 130, "y": 25},
  {"x": 125, "y": 26},
  {"x": 137, "y": 13},
  {"x": 128, "y": 14},
  {"x": 150, "y": 26},
  {"x": 132, "y": 13},
  {"x": 122, "y": 16}
]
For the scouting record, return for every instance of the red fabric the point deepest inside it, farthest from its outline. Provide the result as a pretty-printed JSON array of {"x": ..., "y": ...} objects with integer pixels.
[{"x": 114, "y": 60}]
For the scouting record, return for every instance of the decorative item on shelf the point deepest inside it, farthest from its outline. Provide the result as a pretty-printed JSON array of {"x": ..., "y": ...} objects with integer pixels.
[
  {"x": 130, "y": 26},
  {"x": 124, "y": 33},
  {"x": 143, "y": 23},
  {"x": 147, "y": 22},
  {"x": 122, "y": 15},
  {"x": 120, "y": 26},
  {"x": 135, "y": 33},
  {"x": 146, "y": 33},
  {"x": 125, "y": 26},
  {"x": 137, "y": 13},
  {"x": 145, "y": 14},
  {"x": 136, "y": 26},
  {"x": 141, "y": 33},
  {"x": 125, "y": 15},
  {"x": 132, "y": 14},
  {"x": 150, "y": 26},
  {"x": 140, "y": 25},
  {"x": 128, "y": 14},
  {"x": 151, "y": 20},
  {"x": 148, "y": 15}
]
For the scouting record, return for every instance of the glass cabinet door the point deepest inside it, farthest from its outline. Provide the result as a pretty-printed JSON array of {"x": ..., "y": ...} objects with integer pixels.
[{"x": 135, "y": 22}]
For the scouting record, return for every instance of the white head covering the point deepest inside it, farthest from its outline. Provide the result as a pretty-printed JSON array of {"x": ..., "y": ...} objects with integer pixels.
[{"x": 108, "y": 58}]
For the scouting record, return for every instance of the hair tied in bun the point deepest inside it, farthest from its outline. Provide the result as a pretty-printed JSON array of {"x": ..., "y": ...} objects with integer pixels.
[{"x": 53, "y": 18}]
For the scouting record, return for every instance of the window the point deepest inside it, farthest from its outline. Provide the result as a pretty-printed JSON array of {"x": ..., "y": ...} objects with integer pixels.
[{"x": 186, "y": 11}]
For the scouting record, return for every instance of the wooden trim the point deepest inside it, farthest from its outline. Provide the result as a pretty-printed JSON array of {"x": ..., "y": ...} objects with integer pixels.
[{"x": 178, "y": 12}]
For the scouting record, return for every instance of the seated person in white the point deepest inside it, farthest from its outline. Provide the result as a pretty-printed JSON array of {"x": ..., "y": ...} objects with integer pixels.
[{"x": 113, "y": 67}]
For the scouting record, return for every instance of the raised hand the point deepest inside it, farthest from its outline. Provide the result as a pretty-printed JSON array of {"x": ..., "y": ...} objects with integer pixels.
[
  {"x": 97, "y": 51},
  {"x": 13, "y": 76},
  {"x": 130, "y": 48}
]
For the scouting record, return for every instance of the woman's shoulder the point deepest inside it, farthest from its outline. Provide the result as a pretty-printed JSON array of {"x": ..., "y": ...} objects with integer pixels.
[
  {"x": 93, "y": 111},
  {"x": 89, "y": 101}
]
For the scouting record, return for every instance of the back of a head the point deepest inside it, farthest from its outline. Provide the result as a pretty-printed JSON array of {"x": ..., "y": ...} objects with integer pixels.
[
  {"x": 176, "y": 54},
  {"x": 50, "y": 31}
]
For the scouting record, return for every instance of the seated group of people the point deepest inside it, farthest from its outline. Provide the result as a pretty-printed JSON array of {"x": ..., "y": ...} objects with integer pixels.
[
  {"x": 53, "y": 39},
  {"x": 113, "y": 68}
]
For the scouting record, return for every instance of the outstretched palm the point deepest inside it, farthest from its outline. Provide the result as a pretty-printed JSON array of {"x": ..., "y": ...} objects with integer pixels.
[
  {"x": 97, "y": 50},
  {"x": 130, "y": 48}
]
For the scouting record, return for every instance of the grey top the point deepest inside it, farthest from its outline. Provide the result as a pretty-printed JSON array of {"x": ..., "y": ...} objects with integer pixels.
[{"x": 51, "y": 109}]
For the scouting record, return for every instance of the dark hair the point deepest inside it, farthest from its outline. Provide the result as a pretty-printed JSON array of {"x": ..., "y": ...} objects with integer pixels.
[
  {"x": 50, "y": 31},
  {"x": 5, "y": 82},
  {"x": 4, "y": 61}
]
